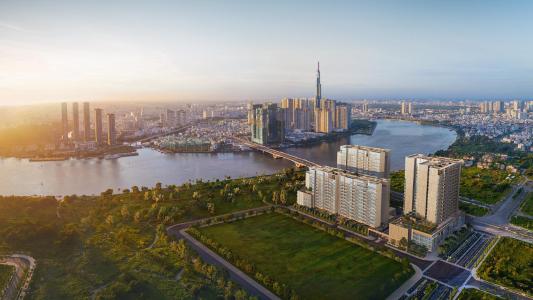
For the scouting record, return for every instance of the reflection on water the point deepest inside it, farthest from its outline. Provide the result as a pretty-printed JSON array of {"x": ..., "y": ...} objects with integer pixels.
[
  {"x": 402, "y": 138},
  {"x": 92, "y": 176}
]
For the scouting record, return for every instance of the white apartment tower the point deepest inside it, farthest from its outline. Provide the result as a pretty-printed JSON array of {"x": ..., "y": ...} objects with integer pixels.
[
  {"x": 364, "y": 160},
  {"x": 432, "y": 187},
  {"x": 364, "y": 199}
]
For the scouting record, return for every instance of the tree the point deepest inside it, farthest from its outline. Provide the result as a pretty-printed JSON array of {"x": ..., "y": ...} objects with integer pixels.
[
  {"x": 283, "y": 197},
  {"x": 403, "y": 243},
  {"x": 125, "y": 212},
  {"x": 275, "y": 197},
  {"x": 211, "y": 208}
]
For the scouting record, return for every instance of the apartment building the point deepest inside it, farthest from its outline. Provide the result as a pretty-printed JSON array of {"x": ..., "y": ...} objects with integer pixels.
[{"x": 364, "y": 160}]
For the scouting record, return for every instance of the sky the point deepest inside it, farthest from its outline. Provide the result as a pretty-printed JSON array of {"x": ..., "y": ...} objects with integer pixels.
[{"x": 52, "y": 51}]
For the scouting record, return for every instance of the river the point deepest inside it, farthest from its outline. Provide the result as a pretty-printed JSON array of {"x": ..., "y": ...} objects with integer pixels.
[{"x": 92, "y": 176}]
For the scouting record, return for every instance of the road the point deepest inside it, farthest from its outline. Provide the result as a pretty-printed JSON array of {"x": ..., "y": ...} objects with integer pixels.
[
  {"x": 24, "y": 268},
  {"x": 497, "y": 223},
  {"x": 251, "y": 286}
]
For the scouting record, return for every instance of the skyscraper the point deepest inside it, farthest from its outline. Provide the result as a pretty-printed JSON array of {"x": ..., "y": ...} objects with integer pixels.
[
  {"x": 318, "y": 87},
  {"x": 98, "y": 126},
  {"x": 343, "y": 116},
  {"x": 267, "y": 124},
  {"x": 365, "y": 107},
  {"x": 75, "y": 121},
  {"x": 111, "y": 134},
  {"x": 86, "y": 122},
  {"x": 432, "y": 187},
  {"x": 64, "y": 121},
  {"x": 364, "y": 160}
]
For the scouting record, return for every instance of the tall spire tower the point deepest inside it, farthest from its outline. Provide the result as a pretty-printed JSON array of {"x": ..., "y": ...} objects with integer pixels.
[{"x": 318, "y": 86}]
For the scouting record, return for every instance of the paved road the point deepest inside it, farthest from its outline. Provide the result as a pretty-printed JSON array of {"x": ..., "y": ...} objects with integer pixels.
[
  {"x": 502, "y": 214},
  {"x": 210, "y": 257},
  {"x": 498, "y": 222}
]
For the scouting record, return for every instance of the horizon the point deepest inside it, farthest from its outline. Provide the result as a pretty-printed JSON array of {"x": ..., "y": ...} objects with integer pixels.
[{"x": 239, "y": 51}]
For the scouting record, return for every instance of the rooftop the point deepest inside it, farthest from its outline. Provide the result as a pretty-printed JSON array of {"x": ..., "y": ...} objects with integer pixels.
[
  {"x": 373, "y": 149},
  {"x": 436, "y": 161}
]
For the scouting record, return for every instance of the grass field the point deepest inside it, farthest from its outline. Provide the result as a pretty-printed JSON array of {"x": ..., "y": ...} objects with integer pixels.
[
  {"x": 527, "y": 206},
  {"x": 510, "y": 264},
  {"x": 487, "y": 186},
  {"x": 5, "y": 274},
  {"x": 316, "y": 265},
  {"x": 472, "y": 209},
  {"x": 475, "y": 294},
  {"x": 522, "y": 221}
]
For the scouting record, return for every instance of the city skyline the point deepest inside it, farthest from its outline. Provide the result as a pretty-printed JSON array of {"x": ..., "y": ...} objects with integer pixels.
[{"x": 169, "y": 51}]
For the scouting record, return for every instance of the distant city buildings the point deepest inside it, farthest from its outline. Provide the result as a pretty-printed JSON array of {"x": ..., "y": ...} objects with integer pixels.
[
  {"x": 86, "y": 122},
  {"x": 64, "y": 122},
  {"x": 267, "y": 124},
  {"x": 98, "y": 127},
  {"x": 111, "y": 131},
  {"x": 75, "y": 122},
  {"x": 406, "y": 108}
]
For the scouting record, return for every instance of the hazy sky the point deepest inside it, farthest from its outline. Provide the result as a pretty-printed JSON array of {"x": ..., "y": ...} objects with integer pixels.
[{"x": 237, "y": 50}]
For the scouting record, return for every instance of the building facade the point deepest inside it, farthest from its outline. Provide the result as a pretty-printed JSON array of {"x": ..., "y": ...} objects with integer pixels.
[
  {"x": 364, "y": 160},
  {"x": 364, "y": 199},
  {"x": 98, "y": 130},
  {"x": 86, "y": 122},
  {"x": 111, "y": 130},
  {"x": 267, "y": 124},
  {"x": 431, "y": 187}
]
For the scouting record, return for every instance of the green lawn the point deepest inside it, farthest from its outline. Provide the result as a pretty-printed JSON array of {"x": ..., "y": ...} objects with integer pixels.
[
  {"x": 510, "y": 264},
  {"x": 487, "y": 186},
  {"x": 5, "y": 274},
  {"x": 527, "y": 206},
  {"x": 522, "y": 221},
  {"x": 475, "y": 294},
  {"x": 314, "y": 264},
  {"x": 472, "y": 209}
]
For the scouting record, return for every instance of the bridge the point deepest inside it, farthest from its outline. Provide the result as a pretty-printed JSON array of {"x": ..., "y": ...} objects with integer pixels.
[{"x": 299, "y": 162}]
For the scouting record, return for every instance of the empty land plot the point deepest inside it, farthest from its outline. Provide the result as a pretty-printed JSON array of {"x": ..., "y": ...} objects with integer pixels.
[
  {"x": 6, "y": 271},
  {"x": 314, "y": 264}
]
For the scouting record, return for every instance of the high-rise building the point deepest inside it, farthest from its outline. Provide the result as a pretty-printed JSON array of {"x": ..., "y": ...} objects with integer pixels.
[
  {"x": 111, "y": 133},
  {"x": 288, "y": 105},
  {"x": 170, "y": 119},
  {"x": 75, "y": 121},
  {"x": 364, "y": 199},
  {"x": 343, "y": 116},
  {"x": 498, "y": 106},
  {"x": 324, "y": 121},
  {"x": 431, "y": 200},
  {"x": 86, "y": 122},
  {"x": 318, "y": 87},
  {"x": 431, "y": 187},
  {"x": 407, "y": 108},
  {"x": 267, "y": 124},
  {"x": 64, "y": 121},
  {"x": 403, "y": 108},
  {"x": 364, "y": 160},
  {"x": 365, "y": 107},
  {"x": 98, "y": 130}
]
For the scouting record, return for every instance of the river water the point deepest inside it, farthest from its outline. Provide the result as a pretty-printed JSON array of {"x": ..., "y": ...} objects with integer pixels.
[{"x": 92, "y": 176}]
